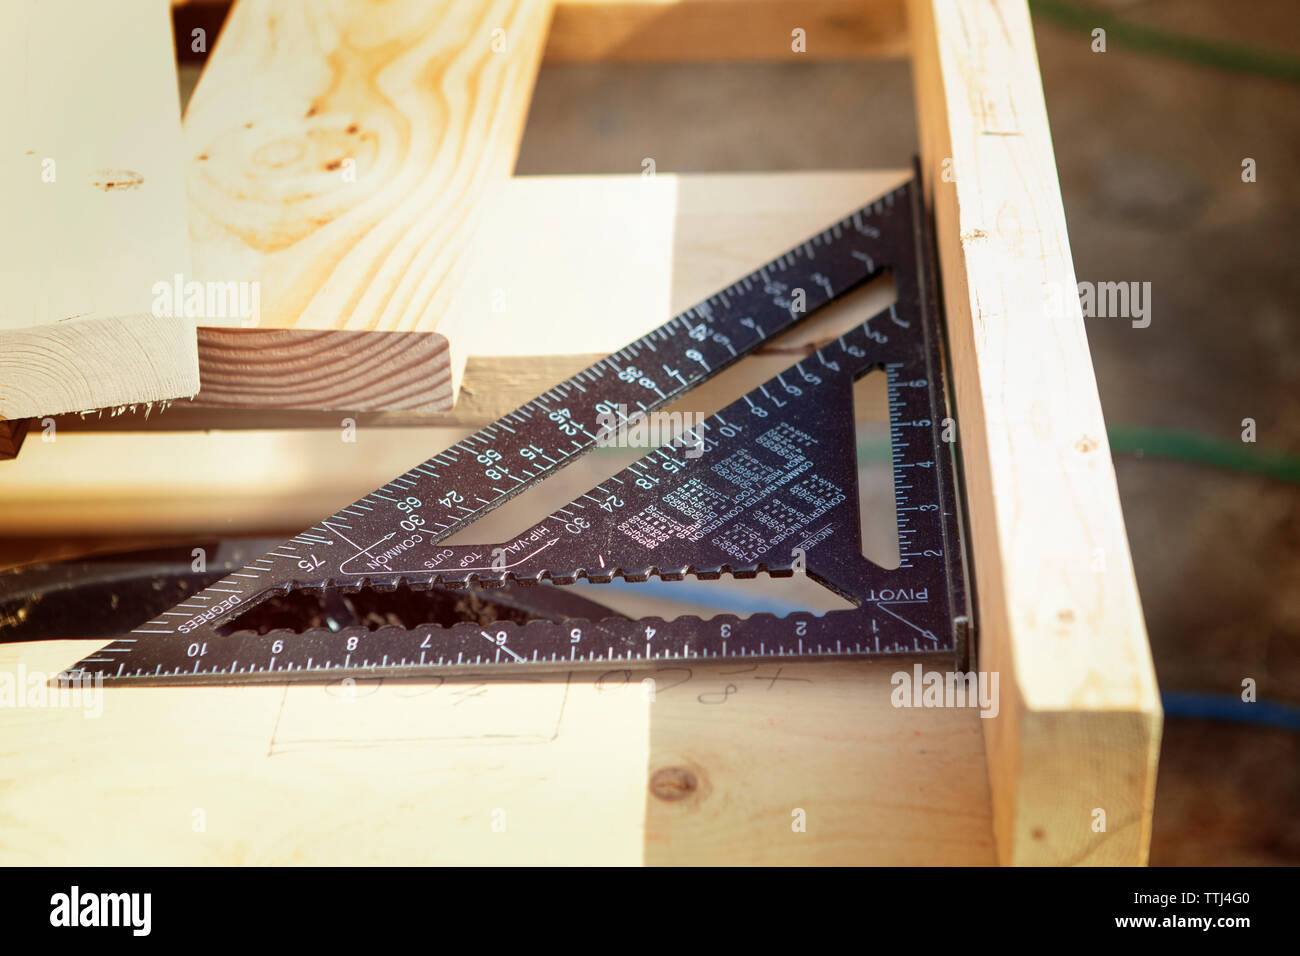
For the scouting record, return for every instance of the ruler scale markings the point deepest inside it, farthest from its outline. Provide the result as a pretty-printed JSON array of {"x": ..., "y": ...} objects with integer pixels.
[{"x": 727, "y": 326}]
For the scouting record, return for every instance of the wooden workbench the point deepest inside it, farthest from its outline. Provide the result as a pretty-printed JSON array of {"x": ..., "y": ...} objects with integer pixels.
[{"x": 716, "y": 766}]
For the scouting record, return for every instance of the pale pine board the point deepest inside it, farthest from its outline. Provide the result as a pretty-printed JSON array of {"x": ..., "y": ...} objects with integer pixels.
[
  {"x": 408, "y": 98},
  {"x": 88, "y": 101},
  {"x": 1059, "y": 613},
  {"x": 416, "y": 772},
  {"x": 325, "y": 247},
  {"x": 266, "y": 369}
]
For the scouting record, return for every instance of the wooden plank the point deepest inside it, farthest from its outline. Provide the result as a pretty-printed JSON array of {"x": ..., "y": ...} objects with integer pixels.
[
  {"x": 200, "y": 482},
  {"x": 701, "y": 232},
  {"x": 1059, "y": 615},
  {"x": 341, "y": 156},
  {"x": 303, "y": 368},
  {"x": 302, "y": 243},
  {"x": 86, "y": 363},
  {"x": 579, "y": 771},
  {"x": 91, "y": 181},
  {"x": 675, "y": 32}
]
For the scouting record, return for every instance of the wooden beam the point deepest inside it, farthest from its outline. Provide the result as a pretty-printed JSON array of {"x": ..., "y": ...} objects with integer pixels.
[
  {"x": 88, "y": 363},
  {"x": 581, "y": 770},
  {"x": 340, "y": 157},
  {"x": 91, "y": 182},
  {"x": 1058, "y": 610}
]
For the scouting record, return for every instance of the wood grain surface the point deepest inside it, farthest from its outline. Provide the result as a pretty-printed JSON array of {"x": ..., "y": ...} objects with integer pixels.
[
  {"x": 328, "y": 369},
  {"x": 1059, "y": 613},
  {"x": 580, "y": 769},
  {"x": 93, "y": 199},
  {"x": 341, "y": 155}
]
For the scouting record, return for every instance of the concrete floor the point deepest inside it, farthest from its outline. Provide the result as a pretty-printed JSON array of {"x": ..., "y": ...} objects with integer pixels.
[{"x": 1149, "y": 152}]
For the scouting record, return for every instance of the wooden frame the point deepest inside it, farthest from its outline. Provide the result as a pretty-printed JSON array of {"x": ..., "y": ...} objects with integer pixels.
[
  {"x": 1065, "y": 772},
  {"x": 1059, "y": 607}
]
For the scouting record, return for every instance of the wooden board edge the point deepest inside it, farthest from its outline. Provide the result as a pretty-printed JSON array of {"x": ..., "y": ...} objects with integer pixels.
[
  {"x": 1059, "y": 616},
  {"x": 1072, "y": 787},
  {"x": 151, "y": 359},
  {"x": 328, "y": 370},
  {"x": 1104, "y": 817}
]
